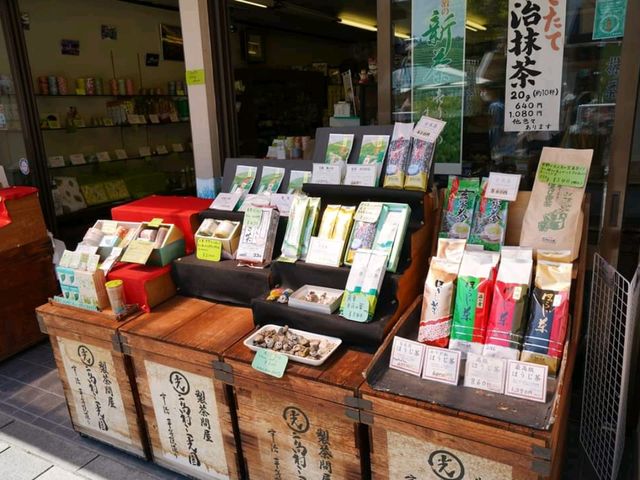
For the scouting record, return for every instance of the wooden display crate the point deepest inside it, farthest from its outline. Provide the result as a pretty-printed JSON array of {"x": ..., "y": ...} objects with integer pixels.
[
  {"x": 303, "y": 425},
  {"x": 97, "y": 378},
  {"x": 187, "y": 413},
  {"x": 415, "y": 439},
  {"x": 27, "y": 223}
]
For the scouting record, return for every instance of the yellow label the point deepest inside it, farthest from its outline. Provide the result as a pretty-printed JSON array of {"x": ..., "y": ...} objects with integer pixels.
[
  {"x": 138, "y": 251},
  {"x": 195, "y": 77},
  {"x": 208, "y": 249},
  {"x": 155, "y": 223}
]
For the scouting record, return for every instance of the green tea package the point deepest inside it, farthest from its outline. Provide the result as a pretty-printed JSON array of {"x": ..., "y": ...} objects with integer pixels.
[
  {"x": 489, "y": 221},
  {"x": 328, "y": 221},
  {"x": 313, "y": 212},
  {"x": 390, "y": 232},
  {"x": 373, "y": 151},
  {"x": 399, "y": 151},
  {"x": 460, "y": 202},
  {"x": 294, "y": 234},
  {"x": 364, "y": 228}
]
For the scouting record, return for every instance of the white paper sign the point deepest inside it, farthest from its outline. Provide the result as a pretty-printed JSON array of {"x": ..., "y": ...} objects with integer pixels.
[
  {"x": 485, "y": 373},
  {"x": 153, "y": 118},
  {"x": 428, "y": 129},
  {"x": 56, "y": 161},
  {"x": 103, "y": 156},
  {"x": 326, "y": 173},
  {"x": 503, "y": 186},
  {"x": 94, "y": 387},
  {"x": 77, "y": 159},
  {"x": 174, "y": 117},
  {"x": 535, "y": 41},
  {"x": 362, "y": 175},
  {"x": 407, "y": 356},
  {"x": 527, "y": 380},
  {"x": 121, "y": 154},
  {"x": 145, "y": 151},
  {"x": 254, "y": 200},
  {"x": 226, "y": 201},
  {"x": 177, "y": 147},
  {"x": 283, "y": 202},
  {"x": 368, "y": 212},
  {"x": 442, "y": 365},
  {"x": 186, "y": 414},
  {"x": 323, "y": 251},
  {"x": 161, "y": 150}
]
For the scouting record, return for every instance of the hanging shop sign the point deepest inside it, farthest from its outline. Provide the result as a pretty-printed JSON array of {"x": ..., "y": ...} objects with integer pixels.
[
  {"x": 437, "y": 76},
  {"x": 535, "y": 49},
  {"x": 608, "y": 21}
]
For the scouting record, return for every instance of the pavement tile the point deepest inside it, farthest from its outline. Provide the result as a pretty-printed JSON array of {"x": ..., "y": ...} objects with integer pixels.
[
  {"x": 9, "y": 387},
  {"x": 46, "y": 424},
  {"x": 62, "y": 452},
  {"x": 18, "y": 464},
  {"x": 12, "y": 367},
  {"x": 31, "y": 373},
  {"x": 106, "y": 468},
  {"x": 5, "y": 419},
  {"x": 39, "y": 356},
  {"x": 50, "y": 383},
  {"x": 43, "y": 404},
  {"x": 23, "y": 416},
  {"x": 57, "y": 473},
  {"x": 6, "y": 409},
  {"x": 60, "y": 415},
  {"x": 23, "y": 396}
]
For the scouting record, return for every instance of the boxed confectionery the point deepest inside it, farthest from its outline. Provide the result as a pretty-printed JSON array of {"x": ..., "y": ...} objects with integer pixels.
[
  {"x": 226, "y": 232},
  {"x": 110, "y": 234},
  {"x": 81, "y": 281},
  {"x": 156, "y": 244}
]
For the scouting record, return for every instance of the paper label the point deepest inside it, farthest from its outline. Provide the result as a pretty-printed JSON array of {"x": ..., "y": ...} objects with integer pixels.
[
  {"x": 527, "y": 380},
  {"x": 442, "y": 365},
  {"x": 77, "y": 159},
  {"x": 428, "y": 129},
  {"x": 161, "y": 150},
  {"x": 121, "y": 154},
  {"x": 324, "y": 251},
  {"x": 270, "y": 362},
  {"x": 153, "y": 118},
  {"x": 407, "y": 356},
  {"x": 361, "y": 175},
  {"x": 253, "y": 217},
  {"x": 485, "y": 373},
  {"x": 186, "y": 413},
  {"x": 254, "y": 200},
  {"x": 565, "y": 175},
  {"x": 177, "y": 147},
  {"x": 326, "y": 174},
  {"x": 368, "y": 212},
  {"x": 109, "y": 227},
  {"x": 195, "y": 77},
  {"x": 138, "y": 251},
  {"x": 208, "y": 249},
  {"x": 145, "y": 151},
  {"x": 226, "y": 201},
  {"x": 103, "y": 156},
  {"x": 56, "y": 161},
  {"x": 412, "y": 458},
  {"x": 90, "y": 249},
  {"x": 283, "y": 202},
  {"x": 174, "y": 117},
  {"x": 503, "y": 186},
  {"x": 155, "y": 222},
  {"x": 93, "y": 382},
  {"x": 355, "y": 307}
]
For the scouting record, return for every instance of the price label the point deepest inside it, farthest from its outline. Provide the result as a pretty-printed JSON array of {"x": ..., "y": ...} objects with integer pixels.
[
  {"x": 121, "y": 154},
  {"x": 368, "y": 212},
  {"x": 195, "y": 77},
  {"x": 252, "y": 217},
  {"x": 138, "y": 251},
  {"x": 442, "y": 365},
  {"x": 326, "y": 174},
  {"x": 270, "y": 362},
  {"x": 161, "y": 150},
  {"x": 153, "y": 118},
  {"x": 564, "y": 175},
  {"x": 56, "y": 161},
  {"x": 527, "y": 380},
  {"x": 177, "y": 147},
  {"x": 174, "y": 117},
  {"x": 485, "y": 373},
  {"x": 208, "y": 249},
  {"x": 77, "y": 159},
  {"x": 356, "y": 307},
  {"x": 155, "y": 222},
  {"x": 503, "y": 186},
  {"x": 324, "y": 251},
  {"x": 145, "y": 151},
  {"x": 103, "y": 156},
  {"x": 283, "y": 202},
  {"x": 428, "y": 129},
  {"x": 254, "y": 200},
  {"x": 226, "y": 201},
  {"x": 407, "y": 356},
  {"x": 361, "y": 175}
]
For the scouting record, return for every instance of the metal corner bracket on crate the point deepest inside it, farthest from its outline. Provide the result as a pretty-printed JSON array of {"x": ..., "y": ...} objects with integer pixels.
[
  {"x": 223, "y": 371},
  {"x": 359, "y": 413},
  {"x": 120, "y": 344}
]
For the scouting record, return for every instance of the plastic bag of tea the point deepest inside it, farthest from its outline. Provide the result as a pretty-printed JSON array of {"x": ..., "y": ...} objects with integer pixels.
[
  {"x": 313, "y": 211},
  {"x": 399, "y": 151},
  {"x": 293, "y": 236},
  {"x": 507, "y": 320},
  {"x": 548, "y": 315},
  {"x": 437, "y": 303},
  {"x": 457, "y": 213},
  {"x": 451, "y": 248},
  {"x": 474, "y": 290},
  {"x": 419, "y": 167},
  {"x": 489, "y": 221},
  {"x": 553, "y": 219}
]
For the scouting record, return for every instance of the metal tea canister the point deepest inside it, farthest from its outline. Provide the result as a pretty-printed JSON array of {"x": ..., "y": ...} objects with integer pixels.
[
  {"x": 81, "y": 86},
  {"x": 99, "y": 86},
  {"x": 115, "y": 292},
  {"x": 62, "y": 86},
  {"x": 53, "y": 85},
  {"x": 122, "y": 88},
  {"x": 113, "y": 86},
  {"x": 129, "y": 86},
  {"x": 90, "y": 85},
  {"x": 43, "y": 85}
]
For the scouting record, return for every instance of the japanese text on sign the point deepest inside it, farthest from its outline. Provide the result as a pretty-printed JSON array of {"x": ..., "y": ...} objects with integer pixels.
[
  {"x": 535, "y": 52},
  {"x": 527, "y": 380},
  {"x": 407, "y": 356},
  {"x": 485, "y": 373},
  {"x": 442, "y": 365},
  {"x": 565, "y": 175}
]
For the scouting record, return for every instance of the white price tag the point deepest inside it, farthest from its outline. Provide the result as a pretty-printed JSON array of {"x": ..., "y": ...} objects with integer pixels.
[
  {"x": 527, "y": 380},
  {"x": 323, "y": 251},
  {"x": 121, "y": 154},
  {"x": 485, "y": 373},
  {"x": 77, "y": 159},
  {"x": 368, "y": 212},
  {"x": 103, "y": 156},
  {"x": 56, "y": 161},
  {"x": 177, "y": 147},
  {"x": 407, "y": 356},
  {"x": 326, "y": 173},
  {"x": 161, "y": 150},
  {"x": 254, "y": 200},
  {"x": 442, "y": 365},
  {"x": 428, "y": 129},
  {"x": 153, "y": 118},
  {"x": 361, "y": 175},
  {"x": 503, "y": 186},
  {"x": 174, "y": 117},
  {"x": 226, "y": 201},
  {"x": 283, "y": 202},
  {"x": 145, "y": 151}
]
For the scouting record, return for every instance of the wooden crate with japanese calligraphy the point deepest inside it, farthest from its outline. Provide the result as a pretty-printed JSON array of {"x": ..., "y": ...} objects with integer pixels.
[
  {"x": 97, "y": 378},
  {"x": 414, "y": 439},
  {"x": 188, "y": 414},
  {"x": 303, "y": 425}
]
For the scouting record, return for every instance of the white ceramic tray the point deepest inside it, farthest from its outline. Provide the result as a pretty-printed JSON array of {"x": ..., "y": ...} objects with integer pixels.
[
  {"x": 297, "y": 299},
  {"x": 248, "y": 342}
]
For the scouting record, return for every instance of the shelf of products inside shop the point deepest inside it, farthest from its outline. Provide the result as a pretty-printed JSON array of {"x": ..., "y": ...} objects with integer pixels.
[
  {"x": 116, "y": 160},
  {"x": 125, "y": 125},
  {"x": 146, "y": 95}
]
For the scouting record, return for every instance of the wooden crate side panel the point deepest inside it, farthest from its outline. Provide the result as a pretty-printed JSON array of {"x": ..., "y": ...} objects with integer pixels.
[
  {"x": 59, "y": 323},
  {"x": 221, "y": 427},
  {"x": 405, "y": 451},
  {"x": 167, "y": 350},
  {"x": 114, "y": 392},
  {"x": 289, "y": 436}
]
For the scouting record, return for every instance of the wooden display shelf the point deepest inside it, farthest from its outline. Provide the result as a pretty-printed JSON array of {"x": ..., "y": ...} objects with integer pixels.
[
  {"x": 419, "y": 437},
  {"x": 303, "y": 425},
  {"x": 188, "y": 414},
  {"x": 98, "y": 379}
]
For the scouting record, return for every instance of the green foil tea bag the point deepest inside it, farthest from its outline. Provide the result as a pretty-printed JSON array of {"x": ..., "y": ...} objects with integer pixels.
[
  {"x": 457, "y": 213},
  {"x": 489, "y": 221}
]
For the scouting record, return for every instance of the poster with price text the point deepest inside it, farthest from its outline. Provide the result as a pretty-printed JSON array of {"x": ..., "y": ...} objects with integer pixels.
[{"x": 535, "y": 49}]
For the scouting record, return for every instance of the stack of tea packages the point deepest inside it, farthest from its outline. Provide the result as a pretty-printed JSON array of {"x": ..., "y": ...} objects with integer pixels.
[{"x": 505, "y": 309}]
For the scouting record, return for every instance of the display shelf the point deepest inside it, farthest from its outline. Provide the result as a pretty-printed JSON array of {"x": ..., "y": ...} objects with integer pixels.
[
  {"x": 127, "y": 125},
  {"x": 164, "y": 95},
  {"x": 116, "y": 160}
]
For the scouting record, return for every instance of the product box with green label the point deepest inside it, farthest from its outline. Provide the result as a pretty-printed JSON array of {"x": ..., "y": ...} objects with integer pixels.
[
  {"x": 212, "y": 232},
  {"x": 157, "y": 244},
  {"x": 81, "y": 281}
]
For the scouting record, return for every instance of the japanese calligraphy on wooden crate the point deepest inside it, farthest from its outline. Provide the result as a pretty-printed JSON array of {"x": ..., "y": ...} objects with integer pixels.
[
  {"x": 535, "y": 49},
  {"x": 413, "y": 459},
  {"x": 94, "y": 388},
  {"x": 187, "y": 417}
]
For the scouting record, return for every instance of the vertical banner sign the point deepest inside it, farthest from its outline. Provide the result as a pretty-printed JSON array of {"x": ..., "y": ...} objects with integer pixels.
[
  {"x": 94, "y": 387},
  {"x": 437, "y": 75},
  {"x": 535, "y": 53},
  {"x": 187, "y": 417}
]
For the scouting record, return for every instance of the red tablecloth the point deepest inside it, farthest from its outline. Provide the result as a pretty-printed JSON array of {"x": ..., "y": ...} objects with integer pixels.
[
  {"x": 134, "y": 278},
  {"x": 12, "y": 193},
  {"x": 176, "y": 210}
]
